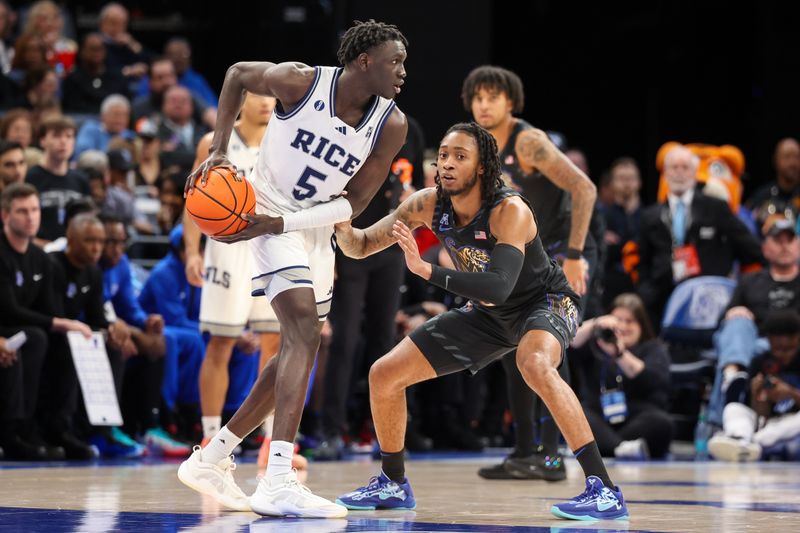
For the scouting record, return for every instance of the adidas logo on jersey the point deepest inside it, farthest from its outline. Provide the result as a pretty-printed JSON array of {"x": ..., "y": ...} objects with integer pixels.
[{"x": 342, "y": 130}]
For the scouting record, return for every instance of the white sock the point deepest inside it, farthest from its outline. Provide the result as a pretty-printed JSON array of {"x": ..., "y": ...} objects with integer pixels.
[
  {"x": 220, "y": 446},
  {"x": 280, "y": 458},
  {"x": 211, "y": 425}
]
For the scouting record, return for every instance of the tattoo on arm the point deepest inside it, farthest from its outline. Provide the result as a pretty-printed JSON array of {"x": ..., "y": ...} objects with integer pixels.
[
  {"x": 379, "y": 236},
  {"x": 535, "y": 149}
]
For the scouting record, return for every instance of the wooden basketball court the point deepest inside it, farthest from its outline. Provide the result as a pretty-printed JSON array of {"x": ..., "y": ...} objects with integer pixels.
[{"x": 147, "y": 496}]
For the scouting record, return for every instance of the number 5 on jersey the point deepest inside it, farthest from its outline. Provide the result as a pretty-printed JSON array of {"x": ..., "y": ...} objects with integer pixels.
[{"x": 304, "y": 189}]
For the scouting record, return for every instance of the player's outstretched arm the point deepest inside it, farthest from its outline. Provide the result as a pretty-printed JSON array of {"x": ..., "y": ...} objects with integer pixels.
[
  {"x": 535, "y": 149},
  {"x": 415, "y": 211},
  {"x": 513, "y": 225},
  {"x": 288, "y": 82}
]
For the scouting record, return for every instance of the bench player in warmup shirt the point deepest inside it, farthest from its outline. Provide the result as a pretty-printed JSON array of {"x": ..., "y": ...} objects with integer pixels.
[
  {"x": 519, "y": 299},
  {"x": 328, "y": 149},
  {"x": 225, "y": 272}
]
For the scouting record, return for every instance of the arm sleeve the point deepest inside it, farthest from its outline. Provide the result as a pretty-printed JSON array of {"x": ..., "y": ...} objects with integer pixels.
[
  {"x": 492, "y": 286},
  {"x": 323, "y": 214}
]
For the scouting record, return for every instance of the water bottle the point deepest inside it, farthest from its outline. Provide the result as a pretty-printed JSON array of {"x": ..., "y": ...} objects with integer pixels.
[{"x": 702, "y": 432}]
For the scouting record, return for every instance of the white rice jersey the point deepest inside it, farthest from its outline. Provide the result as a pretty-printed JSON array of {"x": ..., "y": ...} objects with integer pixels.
[
  {"x": 308, "y": 154},
  {"x": 244, "y": 157}
]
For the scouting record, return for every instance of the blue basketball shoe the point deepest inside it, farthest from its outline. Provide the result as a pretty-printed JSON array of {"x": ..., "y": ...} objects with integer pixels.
[
  {"x": 597, "y": 502},
  {"x": 380, "y": 493}
]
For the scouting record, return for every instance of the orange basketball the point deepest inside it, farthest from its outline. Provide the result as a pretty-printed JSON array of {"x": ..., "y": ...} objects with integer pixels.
[{"x": 217, "y": 205}]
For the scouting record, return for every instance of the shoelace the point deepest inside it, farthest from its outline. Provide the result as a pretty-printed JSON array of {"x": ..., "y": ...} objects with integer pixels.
[
  {"x": 588, "y": 494},
  {"x": 374, "y": 481}
]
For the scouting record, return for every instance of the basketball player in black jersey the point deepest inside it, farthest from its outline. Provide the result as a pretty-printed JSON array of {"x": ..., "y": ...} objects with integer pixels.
[
  {"x": 519, "y": 299},
  {"x": 563, "y": 198}
]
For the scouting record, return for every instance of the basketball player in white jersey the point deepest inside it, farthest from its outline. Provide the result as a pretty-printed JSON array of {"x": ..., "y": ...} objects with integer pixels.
[
  {"x": 226, "y": 306},
  {"x": 328, "y": 149}
]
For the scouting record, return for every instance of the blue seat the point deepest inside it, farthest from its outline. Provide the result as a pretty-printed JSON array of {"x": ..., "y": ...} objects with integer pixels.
[{"x": 693, "y": 310}]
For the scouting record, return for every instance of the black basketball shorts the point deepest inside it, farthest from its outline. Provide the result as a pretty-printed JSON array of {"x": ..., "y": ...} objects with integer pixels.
[{"x": 473, "y": 336}]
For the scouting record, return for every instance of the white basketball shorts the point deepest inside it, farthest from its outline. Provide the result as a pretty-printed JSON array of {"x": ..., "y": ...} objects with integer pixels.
[{"x": 303, "y": 258}]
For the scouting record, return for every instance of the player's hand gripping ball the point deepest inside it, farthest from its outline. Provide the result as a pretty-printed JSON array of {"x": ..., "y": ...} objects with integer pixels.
[{"x": 219, "y": 204}]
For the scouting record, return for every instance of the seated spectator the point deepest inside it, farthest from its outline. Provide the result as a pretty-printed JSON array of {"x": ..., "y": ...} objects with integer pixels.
[
  {"x": 30, "y": 52},
  {"x": 148, "y": 170},
  {"x": 781, "y": 196},
  {"x": 26, "y": 293},
  {"x": 17, "y": 126},
  {"x": 179, "y": 51},
  {"x": 56, "y": 182},
  {"x": 12, "y": 164},
  {"x": 46, "y": 20},
  {"x": 119, "y": 197},
  {"x": 159, "y": 350},
  {"x": 79, "y": 293},
  {"x": 91, "y": 82},
  {"x": 170, "y": 194},
  {"x": 115, "y": 113},
  {"x": 622, "y": 224},
  {"x": 626, "y": 383},
  {"x": 774, "y": 396},
  {"x": 39, "y": 91},
  {"x": 738, "y": 340},
  {"x": 124, "y": 53},
  {"x": 178, "y": 131},
  {"x": 149, "y": 106},
  {"x": 688, "y": 235}
]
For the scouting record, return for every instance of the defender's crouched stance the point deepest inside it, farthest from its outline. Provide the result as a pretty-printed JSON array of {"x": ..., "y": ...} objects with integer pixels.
[{"x": 520, "y": 300}]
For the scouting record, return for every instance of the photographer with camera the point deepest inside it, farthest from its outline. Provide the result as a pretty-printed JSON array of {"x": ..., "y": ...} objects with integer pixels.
[
  {"x": 624, "y": 381},
  {"x": 770, "y": 425}
]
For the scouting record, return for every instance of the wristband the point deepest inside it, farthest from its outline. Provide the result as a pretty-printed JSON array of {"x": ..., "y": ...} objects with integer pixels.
[{"x": 573, "y": 253}]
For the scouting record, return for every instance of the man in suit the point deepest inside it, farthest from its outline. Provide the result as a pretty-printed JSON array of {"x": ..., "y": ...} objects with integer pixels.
[{"x": 689, "y": 235}]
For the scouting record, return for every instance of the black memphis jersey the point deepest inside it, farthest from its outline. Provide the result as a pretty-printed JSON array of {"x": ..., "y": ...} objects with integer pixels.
[
  {"x": 551, "y": 204},
  {"x": 470, "y": 247}
]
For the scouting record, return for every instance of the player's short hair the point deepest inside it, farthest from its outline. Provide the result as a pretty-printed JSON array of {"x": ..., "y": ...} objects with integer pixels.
[
  {"x": 362, "y": 36},
  {"x": 493, "y": 78},
  {"x": 492, "y": 179},
  {"x": 16, "y": 191}
]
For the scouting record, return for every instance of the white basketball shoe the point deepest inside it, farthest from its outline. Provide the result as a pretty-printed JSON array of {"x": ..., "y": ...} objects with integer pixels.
[
  {"x": 215, "y": 480},
  {"x": 285, "y": 495}
]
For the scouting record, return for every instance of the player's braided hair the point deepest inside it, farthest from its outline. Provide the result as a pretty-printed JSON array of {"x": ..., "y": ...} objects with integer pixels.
[
  {"x": 362, "y": 36},
  {"x": 488, "y": 158},
  {"x": 493, "y": 78}
]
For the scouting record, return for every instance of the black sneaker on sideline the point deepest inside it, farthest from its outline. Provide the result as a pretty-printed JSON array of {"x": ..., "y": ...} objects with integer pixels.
[
  {"x": 17, "y": 448},
  {"x": 74, "y": 447},
  {"x": 537, "y": 466},
  {"x": 53, "y": 453},
  {"x": 497, "y": 471}
]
